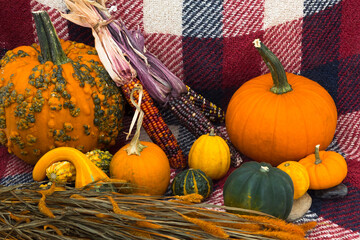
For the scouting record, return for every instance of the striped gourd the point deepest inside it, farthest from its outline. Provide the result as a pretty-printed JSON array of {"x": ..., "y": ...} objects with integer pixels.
[
  {"x": 192, "y": 181},
  {"x": 64, "y": 172},
  {"x": 155, "y": 126}
]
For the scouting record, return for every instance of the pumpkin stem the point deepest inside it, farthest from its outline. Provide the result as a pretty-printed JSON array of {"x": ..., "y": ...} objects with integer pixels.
[
  {"x": 264, "y": 169},
  {"x": 50, "y": 45},
  {"x": 317, "y": 155},
  {"x": 212, "y": 132},
  {"x": 135, "y": 147},
  {"x": 278, "y": 74}
]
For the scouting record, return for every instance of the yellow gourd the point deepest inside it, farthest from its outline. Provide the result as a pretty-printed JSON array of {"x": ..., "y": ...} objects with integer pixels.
[
  {"x": 86, "y": 171},
  {"x": 298, "y": 175},
  {"x": 211, "y": 154},
  {"x": 64, "y": 172}
]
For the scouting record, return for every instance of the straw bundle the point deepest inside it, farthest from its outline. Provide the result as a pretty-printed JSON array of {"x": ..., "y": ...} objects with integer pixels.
[{"x": 28, "y": 212}]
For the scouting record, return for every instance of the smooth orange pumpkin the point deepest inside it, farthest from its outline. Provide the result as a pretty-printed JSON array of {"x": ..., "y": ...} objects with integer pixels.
[
  {"x": 56, "y": 94},
  {"x": 298, "y": 175},
  {"x": 144, "y": 165},
  {"x": 280, "y": 116},
  {"x": 326, "y": 169}
]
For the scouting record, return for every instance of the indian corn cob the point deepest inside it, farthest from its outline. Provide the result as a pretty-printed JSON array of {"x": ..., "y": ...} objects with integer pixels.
[
  {"x": 209, "y": 109},
  {"x": 156, "y": 127}
]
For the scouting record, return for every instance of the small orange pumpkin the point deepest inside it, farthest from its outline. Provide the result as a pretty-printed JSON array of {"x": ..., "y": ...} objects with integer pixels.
[
  {"x": 326, "y": 169},
  {"x": 298, "y": 175},
  {"x": 280, "y": 116},
  {"x": 144, "y": 165}
]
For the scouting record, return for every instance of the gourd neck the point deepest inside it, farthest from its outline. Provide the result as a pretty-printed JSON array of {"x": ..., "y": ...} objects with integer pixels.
[
  {"x": 278, "y": 73},
  {"x": 50, "y": 45},
  {"x": 317, "y": 155},
  {"x": 135, "y": 147}
]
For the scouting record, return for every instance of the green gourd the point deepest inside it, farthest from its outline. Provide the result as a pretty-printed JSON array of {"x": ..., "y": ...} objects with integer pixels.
[
  {"x": 260, "y": 187},
  {"x": 192, "y": 181}
]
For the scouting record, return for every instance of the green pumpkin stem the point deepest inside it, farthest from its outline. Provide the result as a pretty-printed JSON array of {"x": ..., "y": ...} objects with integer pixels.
[
  {"x": 135, "y": 146},
  {"x": 212, "y": 132},
  {"x": 50, "y": 46},
  {"x": 278, "y": 74},
  {"x": 317, "y": 155}
]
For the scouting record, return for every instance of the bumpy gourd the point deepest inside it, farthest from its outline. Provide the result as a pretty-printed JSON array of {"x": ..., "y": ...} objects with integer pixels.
[
  {"x": 260, "y": 187},
  {"x": 211, "y": 154},
  {"x": 64, "y": 171},
  {"x": 86, "y": 171},
  {"x": 56, "y": 94},
  {"x": 280, "y": 116}
]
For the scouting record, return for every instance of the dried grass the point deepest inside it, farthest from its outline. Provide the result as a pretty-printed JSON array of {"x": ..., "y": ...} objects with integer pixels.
[{"x": 27, "y": 212}]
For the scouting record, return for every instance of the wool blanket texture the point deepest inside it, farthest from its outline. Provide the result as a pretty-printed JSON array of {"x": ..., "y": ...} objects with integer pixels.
[{"x": 208, "y": 45}]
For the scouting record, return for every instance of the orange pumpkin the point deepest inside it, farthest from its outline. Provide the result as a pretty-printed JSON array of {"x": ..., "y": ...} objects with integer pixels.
[
  {"x": 144, "y": 165},
  {"x": 56, "y": 94},
  {"x": 280, "y": 116},
  {"x": 326, "y": 169}
]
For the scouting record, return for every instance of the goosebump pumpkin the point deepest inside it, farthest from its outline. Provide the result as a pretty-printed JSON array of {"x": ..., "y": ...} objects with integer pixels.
[
  {"x": 280, "y": 116},
  {"x": 211, "y": 154},
  {"x": 260, "y": 187},
  {"x": 56, "y": 94},
  {"x": 326, "y": 169},
  {"x": 299, "y": 175},
  {"x": 192, "y": 181}
]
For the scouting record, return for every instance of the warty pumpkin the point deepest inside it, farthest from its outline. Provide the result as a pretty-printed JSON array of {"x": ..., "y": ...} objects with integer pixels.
[
  {"x": 56, "y": 94},
  {"x": 298, "y": 174},
  {"x": 260, "y": 187},
  {"x": 326, "y": 169},
  {"x": 144, "y": 165},
  {"x": 211, "y": 154},
  {"x": 280, "y": 116}
]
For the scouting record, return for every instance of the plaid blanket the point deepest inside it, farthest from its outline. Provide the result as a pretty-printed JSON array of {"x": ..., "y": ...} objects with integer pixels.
[{"x": 208, "y": 44}]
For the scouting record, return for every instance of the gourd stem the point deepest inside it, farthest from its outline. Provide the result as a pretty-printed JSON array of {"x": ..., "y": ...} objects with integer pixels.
[
  {"x": 317, "y": 155},
  {"x": 50, "y": 45},
  {"x": 278, "y": 73},
  {"x": 264, "y": 169},
  {"x": 212, "y": 132},
  {"x": 135, "y": 146}
]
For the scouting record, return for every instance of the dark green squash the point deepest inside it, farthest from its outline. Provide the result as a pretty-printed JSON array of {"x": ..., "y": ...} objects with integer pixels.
[
  {"x": 260, "y": 187},
  {"x": 192, "y": 181}
]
